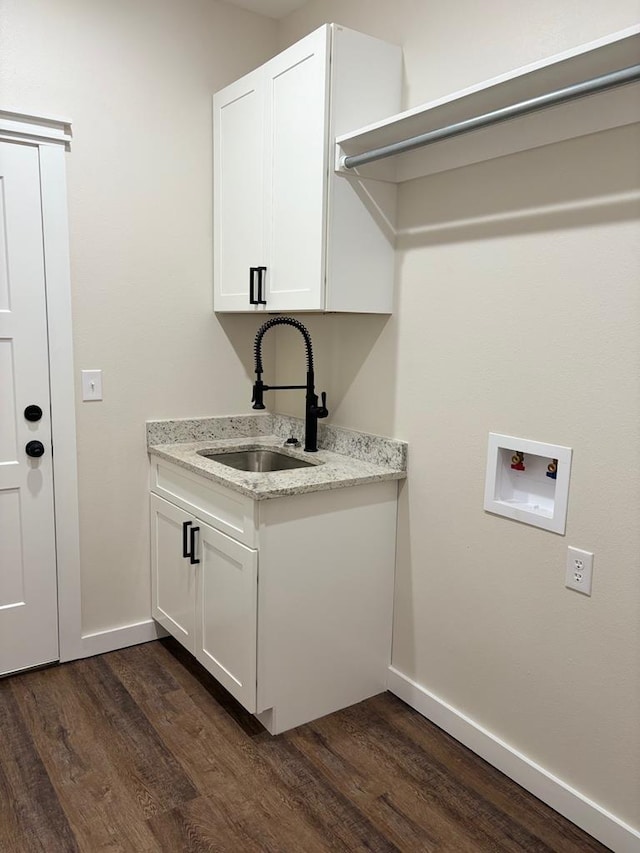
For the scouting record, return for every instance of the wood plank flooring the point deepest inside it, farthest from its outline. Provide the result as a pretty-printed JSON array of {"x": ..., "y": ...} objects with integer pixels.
[{"x": 141, "y": 750}]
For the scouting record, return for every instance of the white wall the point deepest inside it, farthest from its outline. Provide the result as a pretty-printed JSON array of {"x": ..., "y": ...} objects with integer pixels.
[
  {"x": 518, "y": 311},
  {"x": 136, "y": 78}
]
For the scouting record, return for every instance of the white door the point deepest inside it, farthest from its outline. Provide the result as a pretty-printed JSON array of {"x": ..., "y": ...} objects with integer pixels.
[
  {"x": 296, "y": 118},
  {"x": 227, "y": 613},
  {"x": 238, "y": 195},
  {"x": 28, "y": 590},
  {"x": 173, "y": 576}
]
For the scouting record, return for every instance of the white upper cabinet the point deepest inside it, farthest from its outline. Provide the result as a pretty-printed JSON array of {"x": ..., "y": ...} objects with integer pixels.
[
  {"x": 290, "y": 234},
  {"x": 238, "y": 208},
  {"x": 295, "y": 171}
]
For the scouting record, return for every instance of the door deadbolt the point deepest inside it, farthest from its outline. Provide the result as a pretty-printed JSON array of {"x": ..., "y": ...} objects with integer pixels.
[{"x": 33, "y": 413}]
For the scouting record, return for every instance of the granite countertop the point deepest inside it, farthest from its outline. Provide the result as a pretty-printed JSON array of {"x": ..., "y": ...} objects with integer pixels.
[{"x": 344, "y": 457}]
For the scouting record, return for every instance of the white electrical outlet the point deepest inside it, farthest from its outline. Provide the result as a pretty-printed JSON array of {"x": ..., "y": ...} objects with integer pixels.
[{"x": 579, "y": 570}]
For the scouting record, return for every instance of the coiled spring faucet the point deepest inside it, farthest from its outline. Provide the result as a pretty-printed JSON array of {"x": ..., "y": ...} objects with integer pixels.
[{"x": 313, "y": 411}]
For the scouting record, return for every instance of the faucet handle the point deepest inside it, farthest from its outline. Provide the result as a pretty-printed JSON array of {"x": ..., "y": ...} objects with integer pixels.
[
  {"x": 256, "y": 399},
  {"x": 322, "y": 411}
]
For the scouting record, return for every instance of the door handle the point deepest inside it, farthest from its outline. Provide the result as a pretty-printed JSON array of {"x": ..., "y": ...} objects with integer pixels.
[
  {"x": 259, "y": 272},
  {"x": 34, "y": 448},
  {"x": 252, "y": 283},
  {"x": 261, "y": 276},
  {"x": 192, "y": 546},
  {"x": 189, "y": 542},
  {"x": 185, "y": 538}
]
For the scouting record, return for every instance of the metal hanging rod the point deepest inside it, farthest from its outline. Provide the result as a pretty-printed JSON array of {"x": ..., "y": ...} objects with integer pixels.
[{"x": 551, "y": 99}]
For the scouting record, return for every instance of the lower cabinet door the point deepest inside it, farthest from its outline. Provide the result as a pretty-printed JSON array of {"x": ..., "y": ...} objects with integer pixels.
[
  {"x": 173, "y": 577},
  {"x": 226, "y": 608}
]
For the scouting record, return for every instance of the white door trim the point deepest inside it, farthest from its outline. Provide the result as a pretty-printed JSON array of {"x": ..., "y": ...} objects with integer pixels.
[
  {"x": 19, "y": 127},
  {"x": 53, "y": 137}
]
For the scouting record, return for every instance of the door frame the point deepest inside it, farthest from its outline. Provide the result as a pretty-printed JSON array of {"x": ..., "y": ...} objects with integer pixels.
[{"x": 52, "y": 136}]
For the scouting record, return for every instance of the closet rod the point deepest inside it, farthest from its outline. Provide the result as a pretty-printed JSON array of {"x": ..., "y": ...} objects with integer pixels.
[{"x": 551, "y": 99}]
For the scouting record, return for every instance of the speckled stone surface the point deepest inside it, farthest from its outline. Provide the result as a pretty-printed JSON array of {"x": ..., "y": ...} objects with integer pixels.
[
  {"x": 386, "y": 452},
  {"x": 203, "y": 429},
  {"x": 344, "y": 458}
]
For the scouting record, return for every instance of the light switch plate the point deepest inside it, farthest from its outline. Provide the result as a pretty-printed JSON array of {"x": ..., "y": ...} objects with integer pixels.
[{"x": 92, "y": 385}]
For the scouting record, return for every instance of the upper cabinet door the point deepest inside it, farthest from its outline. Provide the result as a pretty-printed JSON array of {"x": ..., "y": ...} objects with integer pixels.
[
  {"x": 325, "y": 242},
  {"x": 238, "y": 199},
  {"x": 296, "y": 122}
]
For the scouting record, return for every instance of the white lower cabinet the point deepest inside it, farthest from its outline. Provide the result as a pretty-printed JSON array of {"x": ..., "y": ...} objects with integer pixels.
[
  {"x": 227, "y": 613},
  {"x": 173, "y": 580},
  {"x": 286, "y": 602},
  {"x": 205, "y": 594}
]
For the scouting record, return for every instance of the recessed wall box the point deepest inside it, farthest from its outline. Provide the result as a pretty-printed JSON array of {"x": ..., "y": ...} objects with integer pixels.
[{"x": 528, "y": 481}]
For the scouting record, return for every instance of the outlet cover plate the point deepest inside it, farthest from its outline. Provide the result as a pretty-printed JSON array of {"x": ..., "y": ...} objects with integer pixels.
[{"x": 579, "y": 570}]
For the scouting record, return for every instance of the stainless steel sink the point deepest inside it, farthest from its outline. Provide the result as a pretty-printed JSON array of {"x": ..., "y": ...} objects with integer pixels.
[{"x": 256, "y": 460}]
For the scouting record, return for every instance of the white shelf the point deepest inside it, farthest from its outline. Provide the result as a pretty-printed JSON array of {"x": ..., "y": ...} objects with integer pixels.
[{"x": 609, "y": 109}]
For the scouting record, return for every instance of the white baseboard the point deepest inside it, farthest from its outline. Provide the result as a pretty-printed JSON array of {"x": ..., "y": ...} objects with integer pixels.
[
  {"x": 119, "y": 638},
  {"x": 577, "y": 808}
]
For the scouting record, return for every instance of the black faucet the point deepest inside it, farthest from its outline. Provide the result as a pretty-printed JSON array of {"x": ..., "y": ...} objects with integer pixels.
[{"x": 312, "y": 410}]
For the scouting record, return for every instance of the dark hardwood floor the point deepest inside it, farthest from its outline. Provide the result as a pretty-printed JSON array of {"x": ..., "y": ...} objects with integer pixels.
[{"x": 140, "y": 750}]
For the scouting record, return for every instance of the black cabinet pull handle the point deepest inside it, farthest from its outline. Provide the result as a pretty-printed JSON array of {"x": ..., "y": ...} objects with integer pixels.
[
  {"x": 189, "y": 542},
  {"x": 252, "y": 283},
  {"x": 261, "y": 276},
  {"x": 252, "y": 298},
  {"x": 185, "y": 533},
  {"x": 259, "y": 272},
  {"x": 192, "y": 547}
]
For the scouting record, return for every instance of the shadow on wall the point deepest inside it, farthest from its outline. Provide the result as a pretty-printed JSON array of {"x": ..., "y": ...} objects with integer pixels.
[
  {"x": 345, "y": 347},
  {"x": 354, "y": 358},
  {"x": 404, "y": 647},
  {"x": 240, "y": 330},
  {"x": 572, "y": 184}
]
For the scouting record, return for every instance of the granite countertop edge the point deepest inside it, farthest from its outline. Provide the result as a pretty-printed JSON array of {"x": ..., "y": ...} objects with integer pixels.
[{"x": 331, "y": 470}]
